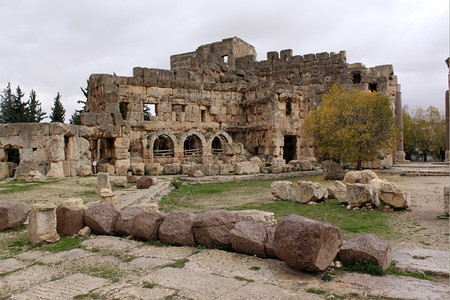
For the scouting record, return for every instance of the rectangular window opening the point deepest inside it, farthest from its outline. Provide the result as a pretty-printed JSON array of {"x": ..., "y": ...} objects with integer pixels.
[
  {"x": 288, "y": 108},
  {"x": 356, "y": 77},
  {"x": 225, "y": 58},
  {"x": 149, "y": 112},
  {"x": 373, "y": 87},
  {"x": 203, "y": 112}
]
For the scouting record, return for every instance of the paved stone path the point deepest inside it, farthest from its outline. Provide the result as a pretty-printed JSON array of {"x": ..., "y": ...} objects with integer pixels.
[{"x": 117, "y": 268}]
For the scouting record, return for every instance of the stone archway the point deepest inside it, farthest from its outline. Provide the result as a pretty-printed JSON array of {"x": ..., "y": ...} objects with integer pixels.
[{"x": 163, "y": 147}]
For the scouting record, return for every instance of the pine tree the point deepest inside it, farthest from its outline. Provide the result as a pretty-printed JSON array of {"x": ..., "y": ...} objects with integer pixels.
[
  {"x": 75, "y": 118},
  {"x": 58, "y": 112},
  {"x": 6, "y": 104},
  {"x": 35, "y": 112},
  {"x": 13, "y": 109}
]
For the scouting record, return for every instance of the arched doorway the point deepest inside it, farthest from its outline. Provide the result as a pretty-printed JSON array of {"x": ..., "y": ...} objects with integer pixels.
[
  {"x": 192, "y": 146},
  {"x": 163, "y": 147},
  {"x": 217, "y": 146}
]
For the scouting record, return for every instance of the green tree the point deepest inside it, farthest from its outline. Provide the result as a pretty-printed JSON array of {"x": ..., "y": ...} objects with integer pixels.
[
  {"x": 6, "y": 105},
  {"x": 34, "y": 109},
  {"x": 424, "y": 133},
  {"x": 13, "y": 108},
  {"x": 352, "y": 127},
  {"x": 58, "y": 112},
  {"x": 75, "y": 119}
]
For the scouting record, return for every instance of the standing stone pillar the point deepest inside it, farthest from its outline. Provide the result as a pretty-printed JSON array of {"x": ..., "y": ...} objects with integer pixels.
[
  {"x": 447, "y": 116},
  {"x": 399, "y": 151},
  {"x": 102, "y": 182},
  {"x": 42, "y": 224}
]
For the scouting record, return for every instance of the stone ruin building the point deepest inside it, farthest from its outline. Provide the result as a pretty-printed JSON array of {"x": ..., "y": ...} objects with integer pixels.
[{"x": 217, "y": 106}]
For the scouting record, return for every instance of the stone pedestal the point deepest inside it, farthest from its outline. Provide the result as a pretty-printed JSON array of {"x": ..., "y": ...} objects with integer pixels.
[
  {"x": 42, "y": 224},
  {"x": 102, "y": 182},
  {"x": 107, "y": 196}
]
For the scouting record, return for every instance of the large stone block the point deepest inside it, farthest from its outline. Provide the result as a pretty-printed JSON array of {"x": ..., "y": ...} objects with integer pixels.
[
  {"x": 105, "y": 168},
  {"x": 122, "y": 166},
  {"x": 69, "y": 219},
  {"x": 176, "y": 229},
  {"x": 390, "y": 194},
  {"x": 249, "y": 237},
  {"x": 12, "y": 214},
  {"x": 359, "y": 194},
  {"x": 306, "y": 244},
  {"x": 56, "y": 171},
  {"x": 264, "y": 217},
  {"x": 138, "y": 168},
  {"x": 367, "y": 247},
  {"x": 364, "y": 176},
  {"x": 171, "y": 169},
  {"x": 246, "y": 167},
  {"x": 42, "y": 224},
  {"x": 153, "y": 169},
  {"x": 125, "y": 221},
  {"x": 282, "y": 190},
  {"x": 146, "y": 226},
  {"x": 102, "y": 182},
  {"x": 310, "y": 191},
  {"x": 211, "y": 169},
  {"x": 144, "y": 182},
  {"x": 101, "y": 218},
  {"x": 332, "y": 170},
  {"x": 212, "y": 228}
]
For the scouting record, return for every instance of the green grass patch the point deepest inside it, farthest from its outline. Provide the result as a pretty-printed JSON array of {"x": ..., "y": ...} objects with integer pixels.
[
  {"x": 240, "y": 278},
  {"x": 254, "y": 268},
  {"x": 19, "y": 186},
  {"x": 179, "y": 264},
  {"x": 364, "y": 266},
  {"x": 157, "y": 244},
  {"x": 316, "y": 291},
  {"x": 65, "y": 243},
  {"x": 110, "y": 273},
  {"x": 347, "y": 220}
]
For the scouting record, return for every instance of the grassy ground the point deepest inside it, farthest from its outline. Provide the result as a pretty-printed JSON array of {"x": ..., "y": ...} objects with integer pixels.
[{"x": 256, "y": 195}]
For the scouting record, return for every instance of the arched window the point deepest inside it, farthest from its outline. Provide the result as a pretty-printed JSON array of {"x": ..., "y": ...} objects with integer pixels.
[
  {"x": 192, "y": 146},
  {"x": 163, "y": 146}
]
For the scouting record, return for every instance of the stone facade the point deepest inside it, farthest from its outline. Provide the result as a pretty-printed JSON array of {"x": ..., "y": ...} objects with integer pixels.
[{"x": 216, "y": 105}]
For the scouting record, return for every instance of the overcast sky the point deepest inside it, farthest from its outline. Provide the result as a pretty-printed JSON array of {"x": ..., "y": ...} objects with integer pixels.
[{"x": 53, "y": 46}]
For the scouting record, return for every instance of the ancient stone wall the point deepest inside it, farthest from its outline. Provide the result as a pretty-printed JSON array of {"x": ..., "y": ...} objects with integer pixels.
[{"x": 216, "y": 104}]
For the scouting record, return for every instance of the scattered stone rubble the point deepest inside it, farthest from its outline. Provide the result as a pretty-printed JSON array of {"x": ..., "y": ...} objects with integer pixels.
[{"x": 359, "y": 189}]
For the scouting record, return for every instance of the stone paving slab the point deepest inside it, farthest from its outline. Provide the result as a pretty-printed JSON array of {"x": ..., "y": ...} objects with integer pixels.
[
  {"x": 66, "y": 288},
  {"x": 10, "y": 264},
  {"x": 422, "y": 260},
  {"x": 192, "y": 284},
  {"x": 163, "y": 252},
  {"x": 22, "y": 279},
  {"x": 141, "y": 291},
  {"x": 393, "y": 287},
  {"x": 148, "y": 263}
]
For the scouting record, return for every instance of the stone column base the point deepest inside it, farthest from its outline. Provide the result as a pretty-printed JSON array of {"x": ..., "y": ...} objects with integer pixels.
[
  {"x": 400, "y": 157},
  {"x": 447, "y": 155}
]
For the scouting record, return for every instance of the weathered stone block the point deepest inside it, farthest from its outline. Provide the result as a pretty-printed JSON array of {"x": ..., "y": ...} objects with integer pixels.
[
  {"x": 249, "y": 237},
  {"x": 42, "y": 224},
  {"x": 171, "y": 169},
  {"x": 101, "y": 218},
  {"x": 146, "y": 226},
  {"x": 306, "y": 244},
  {"x": 125, "y": 221},
  {"x": 212, "y": 228},
  {"x": 122, "y": 166},
  {"x": 176, "y": 229},
  {"x": 144, "y": 182},
  {"x": 69, "y": 219},
  {"x": 12, "y": 214},
  {"x": 367, "y": 247},
  {"x": 332, "y": 170},
  {"x": 102, "y": 182},
  {"x": 359, "y": 194},
  {"x": 310, "y": 191},
  {"x": 282, "y": 190},
  {"x": 153, "y": 169},
  {"x": 265, "y": 217},
  {"x": 105, "y": 168},
  {"x": 138, "y": 168},
  {"x": 246, "y": 167}
]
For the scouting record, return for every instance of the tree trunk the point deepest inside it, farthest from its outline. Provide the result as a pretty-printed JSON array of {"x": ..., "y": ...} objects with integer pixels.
[{"x": 359, "y": 165}]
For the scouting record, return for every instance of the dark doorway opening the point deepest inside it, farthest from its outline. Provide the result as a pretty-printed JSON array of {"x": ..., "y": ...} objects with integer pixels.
[
  {"x": 290, "y": 148},
  {"x": 217, "y": 146},
  {"x": 373, "y": 87},
  {"x": 13, "y": 155}
]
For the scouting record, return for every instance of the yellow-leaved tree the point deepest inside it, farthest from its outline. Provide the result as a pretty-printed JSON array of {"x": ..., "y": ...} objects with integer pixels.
[{"x": 352, "y": 127}]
